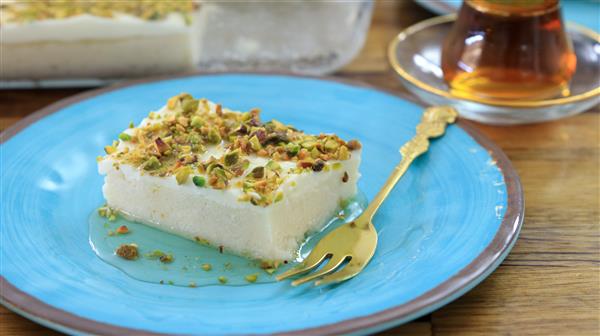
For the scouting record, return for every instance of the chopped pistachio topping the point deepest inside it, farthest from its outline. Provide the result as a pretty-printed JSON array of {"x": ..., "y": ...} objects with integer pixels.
[
  {"x": 199, "y": 181},
  {"x": 206, "y": 267},
  {"x": 107, "y": 212},
  {"x": 151, "y": 10},
  {"x": 222, "y": 279},
  {"x": 177, "y": 142}
]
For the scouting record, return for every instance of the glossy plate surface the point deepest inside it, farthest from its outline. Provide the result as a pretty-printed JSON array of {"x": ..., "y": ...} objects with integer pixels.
[{"x": 449, "y": 222}]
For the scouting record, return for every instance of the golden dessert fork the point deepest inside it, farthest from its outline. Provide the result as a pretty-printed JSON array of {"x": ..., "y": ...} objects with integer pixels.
[{"x": 356, "y": 241}]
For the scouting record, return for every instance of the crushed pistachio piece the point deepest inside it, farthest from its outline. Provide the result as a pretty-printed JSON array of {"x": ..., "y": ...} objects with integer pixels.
[
  {"x": 127, "y": 251},
  {"x": 154, "y": 254},
  {"x": 183, "y": 174},
  {"x": 202, "y": 241},
  {"x": 232, "y": 158},
  {"x": 197, "y": 122},
  {"x": 206, "y": 267},
  {"x": 192, "y": 284},
  {"x": 251, "y": 278},
  {"x": 222, "y": 279},
  {"x": 199, "y": 181},
  {"x": 125, "y": 137},
  {"x": 151, "y": 164}
]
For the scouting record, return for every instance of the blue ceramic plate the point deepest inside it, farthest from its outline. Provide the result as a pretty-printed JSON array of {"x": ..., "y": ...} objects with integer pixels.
[
  {"x": 447, "y": 225},
  {"x": 583, "y": 12}
]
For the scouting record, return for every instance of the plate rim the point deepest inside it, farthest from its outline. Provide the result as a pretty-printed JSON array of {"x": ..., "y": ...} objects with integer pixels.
[{"x": 489, "y": 259}]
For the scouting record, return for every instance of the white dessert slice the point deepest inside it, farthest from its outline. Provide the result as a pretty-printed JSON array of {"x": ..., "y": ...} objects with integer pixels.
[
  {"x": 78, "y": 39},
  {"x": 224, "y": 178}
]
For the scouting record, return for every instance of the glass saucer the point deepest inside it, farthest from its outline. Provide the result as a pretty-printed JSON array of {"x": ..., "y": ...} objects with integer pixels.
[{"x": 415, "y": 55}]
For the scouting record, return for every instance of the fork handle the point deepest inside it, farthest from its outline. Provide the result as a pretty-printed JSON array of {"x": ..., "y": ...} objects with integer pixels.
[{"x": 433, "y": 124}]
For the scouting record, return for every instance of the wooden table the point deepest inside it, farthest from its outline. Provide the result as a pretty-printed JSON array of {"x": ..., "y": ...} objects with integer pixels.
[{"x": 550, "y": 283}]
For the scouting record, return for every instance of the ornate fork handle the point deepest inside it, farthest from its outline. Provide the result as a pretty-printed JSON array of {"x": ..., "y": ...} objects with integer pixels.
[{"x": 433, "y": 124}]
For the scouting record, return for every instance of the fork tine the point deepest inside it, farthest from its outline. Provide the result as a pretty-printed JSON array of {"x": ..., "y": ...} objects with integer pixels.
[
  {"x": 308, "y": 264},
  {"x": 339, "y": 276},
  {"x": 329, "y": 267}
]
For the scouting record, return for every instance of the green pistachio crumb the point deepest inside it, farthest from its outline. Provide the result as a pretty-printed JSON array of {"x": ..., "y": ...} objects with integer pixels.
[
  {"x": 336, "y": 166},
  {"x": 131, "y": 125},
  {"x": 292, "y": 148},
  {"x": 193, "y": 284},
  {"x": 309, "y": 144},
  {"x": 273, "y": 165},
  {"x": 255, "y": 143},
  {"x": 125, "y": 137},
  {"x": 183, "y": 174},
  {"x": 151, "y": 164},
  {"x": 197, "y": 122},
  {"x": 201, "y": 241},
  {"x": 278, "y": 197},
  {"x": 154, "y": 254},
  {"x": 112, "y": 218},
  {"x": 331, "y": 145},
  {"x": 189, "y": 105},
  {"x": 231, "y": 158},
  {"x": 251, "y": 278},
  {"x": 170, "y": 282},
  {"x": 206, "y": 267},
  {"x": 222, "y": 279},
  {"x": 214, "y": 137},
  {"x": 199, "y": 181}
]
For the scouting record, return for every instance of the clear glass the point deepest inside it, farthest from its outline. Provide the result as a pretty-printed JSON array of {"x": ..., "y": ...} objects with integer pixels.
[
  {"x": 416, "y": 56},
  {"x": 510, "y": 49}
]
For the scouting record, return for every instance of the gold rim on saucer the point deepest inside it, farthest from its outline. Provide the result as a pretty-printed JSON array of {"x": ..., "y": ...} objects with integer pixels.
[{"x": 496, "y": 102}]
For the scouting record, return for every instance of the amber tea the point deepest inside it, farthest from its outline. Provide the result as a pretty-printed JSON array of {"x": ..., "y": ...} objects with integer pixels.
[{"x": 508, "y": 49}]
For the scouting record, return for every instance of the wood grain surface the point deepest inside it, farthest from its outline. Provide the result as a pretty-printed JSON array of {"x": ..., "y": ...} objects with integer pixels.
[{"x": 549, "y": 284}]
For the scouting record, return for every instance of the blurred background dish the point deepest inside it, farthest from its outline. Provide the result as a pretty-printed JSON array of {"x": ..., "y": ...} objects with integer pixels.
[
  {"x": 75, "y": 43},
  {"x": 415, "y": 55}
]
